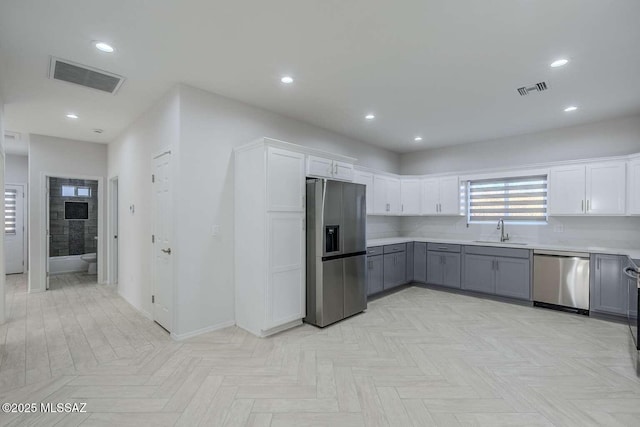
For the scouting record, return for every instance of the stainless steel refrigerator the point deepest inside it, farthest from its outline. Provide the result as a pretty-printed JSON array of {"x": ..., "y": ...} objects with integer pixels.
[{"x": 336, "y": 251}]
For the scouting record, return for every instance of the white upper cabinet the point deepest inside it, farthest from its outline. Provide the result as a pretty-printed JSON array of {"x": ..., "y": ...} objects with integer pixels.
[
  {"x": 634, "y": 187},
  {"x": 366, "y": 179},
  {"x": 450, "y": 196},
  {"x": 410, "y": 196},
  {"x": 327, "y": 168},
  {"x": 320, "y": 167},
  {"x": 440, "y": 196},
  {"x": 606, "y": 188},
  {"x": 567, "y": 190},
  {"x": 386, "y": 195},
  {"x": 285, "y": 181},
  {"x": 592, "y": 189},
  {"x": 430, "y": 196}
]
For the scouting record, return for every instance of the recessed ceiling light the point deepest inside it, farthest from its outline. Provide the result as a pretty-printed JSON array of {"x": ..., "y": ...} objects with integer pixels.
[
  {"x": 104, "y": 47},
  {"x": 72, "y": 116},
  {"x": 417, "y": 139},
  {"x": 286, "y": 79},
  {"x": 369, "y": 117},
  {"x": 559, "y": 62},
  {"x": 571, "y": 108}
]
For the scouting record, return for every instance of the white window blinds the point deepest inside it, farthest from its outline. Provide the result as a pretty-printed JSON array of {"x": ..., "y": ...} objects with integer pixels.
[
  {"x": 517, "y": 199},
  {"x": 10, "y": 201}
]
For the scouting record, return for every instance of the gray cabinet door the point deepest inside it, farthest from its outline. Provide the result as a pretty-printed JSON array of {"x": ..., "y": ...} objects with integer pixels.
[
  {"x": 513, "y": 278},
  {"x": 389, "y": 271},
  {"x": 479, "y": 273},
  {"x": 434, "y": 268},
  {"x": 609, "y": 291},
  {"x": 451, "y": 270},
  {"x": 409, "y": 257},
  {"x": 420, "y": 262},
  {"x": 375, "y": 274},
  {"x": 401, "y": 268}
]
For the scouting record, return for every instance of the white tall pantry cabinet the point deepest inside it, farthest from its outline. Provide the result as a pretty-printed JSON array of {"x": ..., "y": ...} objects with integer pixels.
[{"x": 269, "y": 237}]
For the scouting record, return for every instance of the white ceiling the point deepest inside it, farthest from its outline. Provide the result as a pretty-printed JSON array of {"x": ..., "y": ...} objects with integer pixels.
[{"x": 445, "y": 70}]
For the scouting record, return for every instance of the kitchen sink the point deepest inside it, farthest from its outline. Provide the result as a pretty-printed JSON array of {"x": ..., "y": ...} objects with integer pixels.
[{"x": 501, "y": 243}]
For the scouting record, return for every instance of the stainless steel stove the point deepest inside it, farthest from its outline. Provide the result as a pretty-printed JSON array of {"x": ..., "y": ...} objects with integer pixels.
[{"x": 632, "y": 271}]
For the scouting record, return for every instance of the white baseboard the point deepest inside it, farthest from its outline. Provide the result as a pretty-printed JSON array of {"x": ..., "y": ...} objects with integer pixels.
[{"x": 180, "y": 337}]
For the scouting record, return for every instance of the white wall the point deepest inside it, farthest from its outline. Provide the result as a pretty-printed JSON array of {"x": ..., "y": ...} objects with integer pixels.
[
  {"x": 607, "y": 138},
  {"x": 130, "y": 159},
  {"x": 16, "y": 169},
  {"x": 64, "y": 158},
  {"x": 210, "y": 127}
]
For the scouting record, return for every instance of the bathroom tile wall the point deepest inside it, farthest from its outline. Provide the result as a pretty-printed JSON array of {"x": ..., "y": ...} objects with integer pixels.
[{"x": 72, "y": 237}]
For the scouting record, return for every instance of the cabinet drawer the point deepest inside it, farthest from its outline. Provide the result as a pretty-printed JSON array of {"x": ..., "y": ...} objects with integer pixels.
[
  {"x": 374, "y": 250},
  {"x": 494, "y": 251},
  {"x": 443, "y": 247},
  {"x": 390, "y": 249}
]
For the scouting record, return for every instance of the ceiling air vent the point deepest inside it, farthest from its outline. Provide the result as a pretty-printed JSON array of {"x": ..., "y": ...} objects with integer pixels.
[
  {"x": 67, "y": 71},
  {"x": 538, "y": 87}
]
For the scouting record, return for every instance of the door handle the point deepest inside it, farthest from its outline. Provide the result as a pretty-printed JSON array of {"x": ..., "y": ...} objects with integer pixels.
[{"x": 166, "y": 251}]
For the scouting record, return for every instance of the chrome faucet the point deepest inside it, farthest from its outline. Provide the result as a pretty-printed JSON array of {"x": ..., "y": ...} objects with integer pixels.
[{"x": 503, "y": 238}]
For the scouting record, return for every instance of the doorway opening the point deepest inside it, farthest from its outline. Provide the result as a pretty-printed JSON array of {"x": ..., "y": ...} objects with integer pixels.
[
  {"x": 72, "y": 231},
  {"x": 15, "y": 235}
]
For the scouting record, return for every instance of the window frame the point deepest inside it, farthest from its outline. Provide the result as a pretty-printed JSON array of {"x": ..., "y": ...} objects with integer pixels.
[{"x": 506, "y": 177}]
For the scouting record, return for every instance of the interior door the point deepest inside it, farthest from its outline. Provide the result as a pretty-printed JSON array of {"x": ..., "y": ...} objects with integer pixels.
[
  {"x": 162, "y": 231},
  {"x": 14, "y": 228},
  {"x": 114, "y": 230}
]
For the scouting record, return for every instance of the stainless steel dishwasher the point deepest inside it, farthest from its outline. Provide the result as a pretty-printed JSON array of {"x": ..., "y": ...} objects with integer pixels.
[{"x": 561, "y": 280}]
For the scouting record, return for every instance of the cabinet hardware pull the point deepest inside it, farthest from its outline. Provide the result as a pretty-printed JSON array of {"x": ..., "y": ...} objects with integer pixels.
[
  {"x": 588, "y": 205},
  {"x": 497, "y": 265},
  {"x": 166, "y": 251},
  {"x": 582, "y": 206},
  {"x": 336, "y": 172}
]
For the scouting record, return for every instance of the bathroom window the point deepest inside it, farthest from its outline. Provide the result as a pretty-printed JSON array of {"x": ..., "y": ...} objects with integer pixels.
[
  {"x": 10, "y": 205},
  {"x": 73, "y": 191},
  {"x": 520, "y": 200}
]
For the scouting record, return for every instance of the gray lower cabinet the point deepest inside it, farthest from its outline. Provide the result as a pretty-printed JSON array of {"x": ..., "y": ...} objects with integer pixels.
[
  {"x": 498, "y": 271},
  {"x": 609, "y": 288},
  {"x": 375, "y": 277},
  {"x": 395, "y": 269},
  {"x": 513, "y": 278},
  {"x": 409, "y": 268},
  {"x": 420, "y": 262},
  {"x": 479, "y": 273},
  {"x": 443, "y": 269}
]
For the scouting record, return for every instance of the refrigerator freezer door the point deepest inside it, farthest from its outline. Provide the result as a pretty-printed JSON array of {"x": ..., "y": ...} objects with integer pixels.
[
  {"x": 355, "y": 285},
  {"x": 331, "y": 308}
]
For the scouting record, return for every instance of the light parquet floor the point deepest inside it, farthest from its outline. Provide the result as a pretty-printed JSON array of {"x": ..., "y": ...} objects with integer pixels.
[{"x": 418, "y": 357}]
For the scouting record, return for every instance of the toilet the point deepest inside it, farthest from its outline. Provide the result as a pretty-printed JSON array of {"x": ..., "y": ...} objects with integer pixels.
[{"x": 92, "y": 260}]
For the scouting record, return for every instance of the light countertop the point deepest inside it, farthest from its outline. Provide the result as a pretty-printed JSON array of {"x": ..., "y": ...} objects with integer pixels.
[{"x": 630, "y": 252}]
